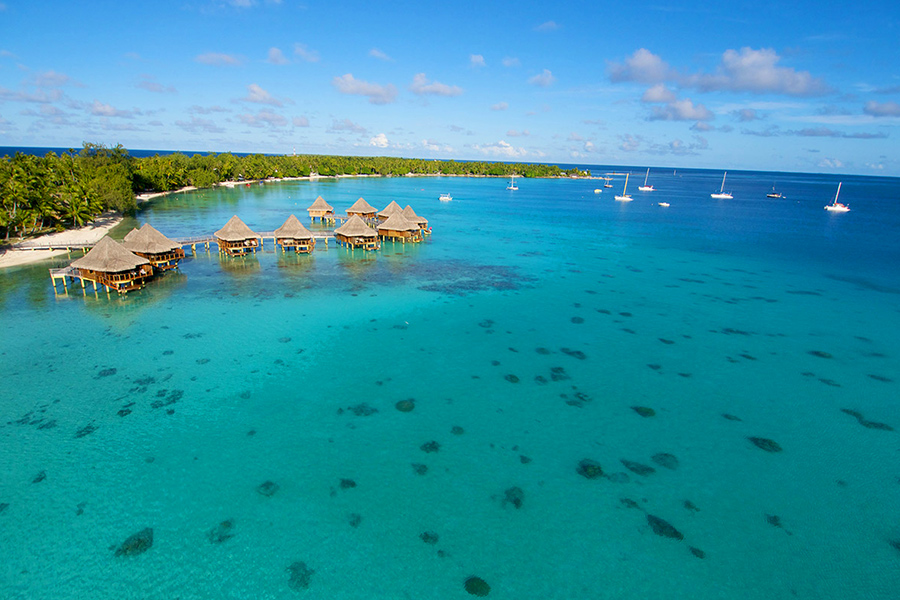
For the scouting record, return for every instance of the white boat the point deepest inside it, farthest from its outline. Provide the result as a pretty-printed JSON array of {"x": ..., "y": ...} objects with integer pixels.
[
  {"x": 445, "y": 198},
  {"x": 608, "y": 179},
  {"x": 597, "y": 190},
  {"x": 645, "y": 187},
  {"x": 773, "y": 193},
  {"x": 722, "y": 194},
  {"x": 837, "y": 206},
  {"x": 625, "y": 197},
  {"x": 664, "y": 204},
  {"x": 512, "y": 184}
]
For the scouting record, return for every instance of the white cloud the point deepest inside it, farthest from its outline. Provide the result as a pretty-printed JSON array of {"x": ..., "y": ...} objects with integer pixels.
[
  {"x": 574, "y": 137},
  {"x": 263, "y": 118},
  {"x": 643, "y": 66},
  {"x": 53, "y": 79},
  {"x": 422, "y": 86},
  {"x": 218, "y": 59},
  {"x": 630, "y": 143},
  {"x": 547, "y": 26},
  {"x": 305, "y": 53},
  {"x": 501, "y": 148},
  {"x": 745, "y": 115},
  {"x": 379, "y": 141},
  {"x": 500, "y": 106},
  {"x": 681, "y": 110},
  {"x": 882, "y": 109},
  {"x": 347, "y": 125},
  {"x": 260, "y": 96},
  {"x": 198, "y": 125},
  {"x": 107, "y": 110},
  {"x": 588, "y": 147},
  {"x": 477, "y": 60},
  {"x": 207, "y": 110},
  {"x": 377, "y": 94},
  {"x": 514, "y": 133},
  {"x": 510, "y": 61},
  {"x": 875, "y": 166},
  {"x": 658, "y": 93},
  {"x": 376, "y": 53},
  {"x": 276, "y": 57},
  {"x": 544, "y": 79},
  {"x": 300, "y": 122},
  {"x": 148, "y": 83},
  {"x": 830, "y": 163}
]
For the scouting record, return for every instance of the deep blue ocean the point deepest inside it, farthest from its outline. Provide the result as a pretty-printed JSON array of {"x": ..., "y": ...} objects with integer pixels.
[{"x": 731, "y": 369}]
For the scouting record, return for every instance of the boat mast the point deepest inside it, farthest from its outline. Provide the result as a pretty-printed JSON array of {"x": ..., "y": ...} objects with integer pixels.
[
  {"x": 838, "y": 193},
  {"x": 646, "y": 177},
  {"x": 624, "y": 189},
  {"x": 722, "y": 189}
]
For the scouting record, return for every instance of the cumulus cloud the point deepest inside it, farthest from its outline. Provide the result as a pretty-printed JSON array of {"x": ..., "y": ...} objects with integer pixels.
[
  {"x": 53, "y": 79},
  {"x": 830, "y": 163},
  {"x": 421, "y": 86},
  {"x": 260, "y": 96},
  {"x": 744, "y": 70},
  {"x": 514, "y": 133},
  {"x": 882, "y": 109},
  {"x": 510, "y": 61},
  {"x": 377, "y": 94},
  {"x": 745, "y": 115},
  {"x": 347, "y": 125},
  {"x": 630, "y": 143},
  {"x": 543, "y": 79},
  {"x": 501, "y": 148},
  {"x": 151, "y": 85},
  {"x": 198, "y": 125},
  {"x": 658, "y": 93},
  {"x": 376, "y": 53},
  {"x": 574, "y": 137},
  {"x": 681, "y": 110},
  {"x": 304, "y": 53},
  {"x": 477, "y": 60},
  {"x": 436, "y": 146},
  {"x": 300, "y": 122},
  {"x": 208, "y": 110},
  {"x": 500, "y": 106},
  {"x": 263, "y": 118},
  {"x": 98, "y": 109},
  {"x": 547, "y": 26},
  {"x": 276, "y": 57},
  {"x": 218, "y": 59},
  {"x": 379, "y": 141}
]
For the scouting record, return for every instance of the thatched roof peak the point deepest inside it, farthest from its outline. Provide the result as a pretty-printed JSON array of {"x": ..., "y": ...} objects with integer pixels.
[
  {"x": 390, "y": 209},
  {"x": 235, "y": 231},
  {"x": 356, "y": 227},
  {"x": 412, "y": 217},
  {"x": 293, "y": 229},
  {"x": 148, "y": 240},
  {"x": 320, "y": 204},
  {"x": 109, "y": 256},
  {"x": 361, "y": 206},
  {"x": 397, "y": 222}
]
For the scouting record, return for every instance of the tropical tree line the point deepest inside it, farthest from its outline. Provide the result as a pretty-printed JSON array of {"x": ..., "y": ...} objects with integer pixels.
[{"x": 59, "y": 191}]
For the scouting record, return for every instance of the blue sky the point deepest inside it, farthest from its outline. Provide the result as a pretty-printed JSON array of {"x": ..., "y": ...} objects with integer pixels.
[{"x": 790, "y": 86}]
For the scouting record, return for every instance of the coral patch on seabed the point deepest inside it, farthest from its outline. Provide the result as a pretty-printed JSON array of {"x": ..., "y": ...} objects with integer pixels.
[
  {"x": 644, "y": 411},
  {"x": 477, "y": 586},
  {"x": 137, "y": 543},
  {"x": 765, "y": 444},
  {"x": 221, "y": 532},
  {"x": 267, "y": 488},
  {"x": 663, "y": 528},
  {"x": 300, "y": 576},
  {"x": 589, "y": 469}
]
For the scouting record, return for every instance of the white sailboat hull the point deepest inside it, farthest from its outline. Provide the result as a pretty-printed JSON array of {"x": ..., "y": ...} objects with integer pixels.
[{"x": 722, "y": 196}]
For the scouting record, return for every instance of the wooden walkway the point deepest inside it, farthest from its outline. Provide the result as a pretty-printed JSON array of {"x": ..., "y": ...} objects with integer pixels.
[{"x": 192, "y": 241}]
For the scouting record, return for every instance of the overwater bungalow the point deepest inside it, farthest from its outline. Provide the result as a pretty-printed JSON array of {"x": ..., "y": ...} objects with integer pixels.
[
  {"x": 320, "y": 210},
  {"x": 396, "y": 227},
  {"x": 293, "y": 235},
  {"x": 236, "y": 239},
  {"x": 412, "y": 217},
  {"x": 362, "y": 209},
  {"x": 388, "y": 210},
  {"x": 149, "y": 243},
  {"x": 109, "y": 264},
  {"x": 356, "y": 234}
]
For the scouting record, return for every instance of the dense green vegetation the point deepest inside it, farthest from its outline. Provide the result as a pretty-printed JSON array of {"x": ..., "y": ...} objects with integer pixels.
[{"x": 67, "y": 190}]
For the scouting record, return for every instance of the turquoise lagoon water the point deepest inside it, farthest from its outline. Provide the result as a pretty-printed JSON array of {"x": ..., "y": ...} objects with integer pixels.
[{"x": 525, "y": 330}]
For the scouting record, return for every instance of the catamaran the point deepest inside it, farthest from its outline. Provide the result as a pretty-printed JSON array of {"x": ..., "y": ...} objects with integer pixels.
[
  {"x": 645, "y": 187},
  {"x": 773, "y": 193},
  {"x": 837, "y": 206},
  {"x": 445, "y": 198},
  {"x": 625, "y": 197},
  {"x": 512, "y": 184},
  {"x": 722, "y": 194}
]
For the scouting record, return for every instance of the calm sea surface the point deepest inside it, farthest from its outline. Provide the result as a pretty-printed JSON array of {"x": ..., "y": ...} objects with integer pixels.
[{"x": 246, "y": 409}]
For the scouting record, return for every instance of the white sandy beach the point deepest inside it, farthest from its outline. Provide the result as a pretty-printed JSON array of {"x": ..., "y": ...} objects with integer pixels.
[{"x": 89, "y": 234}]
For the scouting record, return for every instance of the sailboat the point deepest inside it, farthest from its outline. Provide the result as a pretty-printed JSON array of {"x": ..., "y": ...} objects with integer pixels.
[
  {"x": 625, "y": 197},
  {"x": 645, "y": 187},
  {"x": 608, "y": 179},
  {"x": 512, "y": 184},
  {"x": 773, "y": 193},
  {"x": 837, "y": 206},
  {"x": 722, "y": 194}
]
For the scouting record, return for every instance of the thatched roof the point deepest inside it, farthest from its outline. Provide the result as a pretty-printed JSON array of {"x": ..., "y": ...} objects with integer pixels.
[
  {"x": 390, "y": 209},
  {"x": 361, "y": 206},
  {"x": 397, "y": 222},
  {"x": 320, "y": 204},
  {"x": 148, "y": 240},
  {"x": 293, "y": 229},
  {"x": 356, "y": 227},
  {"x": 235, "y": 231},
  {"x": 412, "y": 217},
  {"x": 109, "y": 256}
]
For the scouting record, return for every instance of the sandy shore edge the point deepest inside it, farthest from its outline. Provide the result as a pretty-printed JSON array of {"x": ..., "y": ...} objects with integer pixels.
[{"x": 89, "y": 234}]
